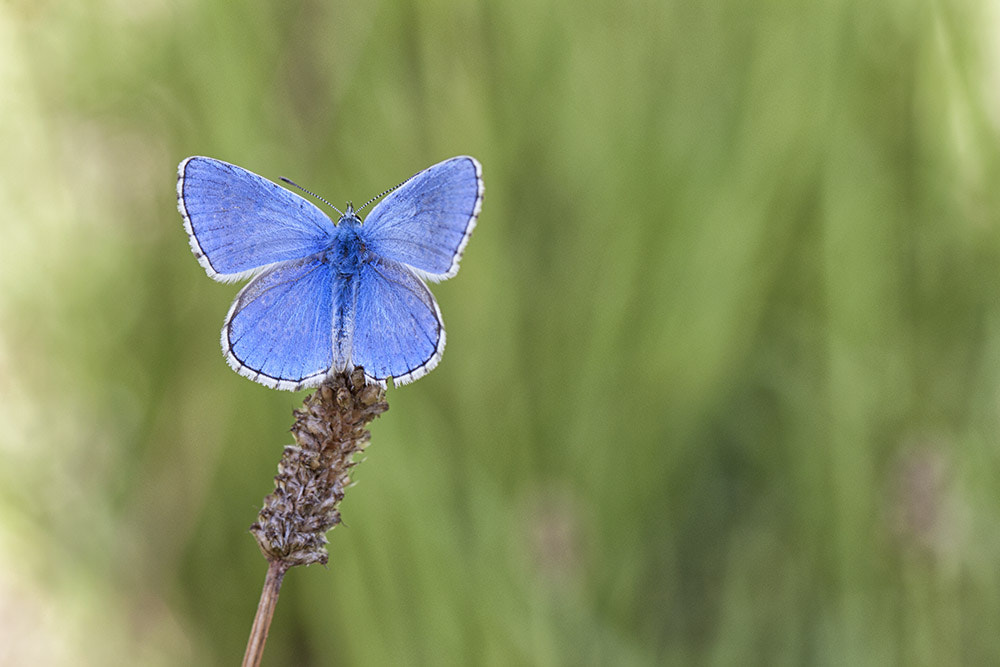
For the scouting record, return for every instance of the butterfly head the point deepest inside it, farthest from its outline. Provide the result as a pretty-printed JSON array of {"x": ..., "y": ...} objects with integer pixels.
[{"x": 349, "y": 216}]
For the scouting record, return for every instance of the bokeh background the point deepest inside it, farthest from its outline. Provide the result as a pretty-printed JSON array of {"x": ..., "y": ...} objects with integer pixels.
[{"x": 723, "y": 376}]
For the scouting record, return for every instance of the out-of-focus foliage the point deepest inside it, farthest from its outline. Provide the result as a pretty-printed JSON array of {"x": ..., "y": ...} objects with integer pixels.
[{"x": 724, "y": 354}]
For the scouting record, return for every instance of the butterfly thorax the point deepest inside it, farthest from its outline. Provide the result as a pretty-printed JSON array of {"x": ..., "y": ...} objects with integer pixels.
[{"x": 347, "y": 252}]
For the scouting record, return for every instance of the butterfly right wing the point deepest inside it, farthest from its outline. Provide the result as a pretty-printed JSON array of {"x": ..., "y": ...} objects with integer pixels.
[
  {"x": 279, "y": 331},
  {"x": 238, "y": 222}
]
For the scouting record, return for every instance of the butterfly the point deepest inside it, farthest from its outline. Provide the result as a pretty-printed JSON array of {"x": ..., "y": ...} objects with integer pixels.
[{"x": 326, "y": 297}]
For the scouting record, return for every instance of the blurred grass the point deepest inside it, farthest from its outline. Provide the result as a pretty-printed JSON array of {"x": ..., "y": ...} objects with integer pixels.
[{"x": 722, "y": 376}]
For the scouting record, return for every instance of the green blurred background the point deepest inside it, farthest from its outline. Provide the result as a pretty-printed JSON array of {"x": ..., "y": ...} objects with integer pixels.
[{"x": 723, "y": 376}]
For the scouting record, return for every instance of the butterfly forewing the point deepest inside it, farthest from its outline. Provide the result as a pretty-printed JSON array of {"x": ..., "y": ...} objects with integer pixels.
[
  {"x": 238, "y": 221},
  {"x": 426, "y": 222}
]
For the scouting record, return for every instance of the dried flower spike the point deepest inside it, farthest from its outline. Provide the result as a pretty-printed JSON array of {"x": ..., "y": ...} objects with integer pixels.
[{"x": 329, "y": 430}]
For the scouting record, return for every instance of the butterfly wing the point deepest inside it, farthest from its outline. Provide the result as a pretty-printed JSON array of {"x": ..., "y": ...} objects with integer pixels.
[
  {"x": 238, "y": 222},
  {"x": 279, "y": 330},
  {"x": 426, "y": 222},
  {"x": 398, "y": 331}
]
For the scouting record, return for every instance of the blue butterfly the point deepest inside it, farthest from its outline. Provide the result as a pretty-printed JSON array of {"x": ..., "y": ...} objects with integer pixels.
[{"x": 326, "y": 297}]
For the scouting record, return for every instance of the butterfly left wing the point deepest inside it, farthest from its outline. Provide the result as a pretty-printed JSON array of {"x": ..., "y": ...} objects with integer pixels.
[
  {"x": 279, "y": 331},
  {"x": 397, "y": 329},
  {"x": 238, "y": 222},
  {"x": 426, "y": 222}
]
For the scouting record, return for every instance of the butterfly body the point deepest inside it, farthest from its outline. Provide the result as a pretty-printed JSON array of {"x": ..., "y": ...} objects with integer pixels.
[
  {"x": 346, "y": 257},
  {"x": 326, "y": 297}
]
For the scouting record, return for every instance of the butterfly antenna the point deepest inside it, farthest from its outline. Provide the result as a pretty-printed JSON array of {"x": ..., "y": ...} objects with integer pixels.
[
  {"x": 291, "y": 182},
  {"x": 377, "y": 197}
]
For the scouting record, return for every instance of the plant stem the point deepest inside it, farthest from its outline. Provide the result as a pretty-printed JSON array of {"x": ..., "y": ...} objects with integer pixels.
[{"x": 265, "y": 612}]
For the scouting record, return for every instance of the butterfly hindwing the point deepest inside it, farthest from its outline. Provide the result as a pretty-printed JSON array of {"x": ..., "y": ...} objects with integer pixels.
[
  {"x": 426, "y": 222},
  {"x": 279, "y": 329},
  {"x": 238, "y": 221},
  {"x": 398, "y": 331}
]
